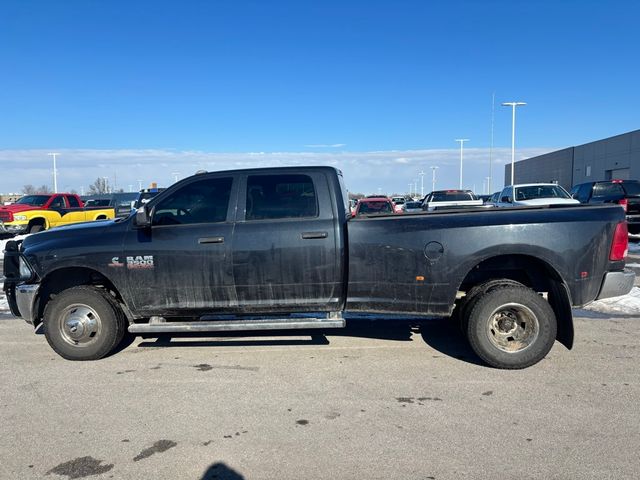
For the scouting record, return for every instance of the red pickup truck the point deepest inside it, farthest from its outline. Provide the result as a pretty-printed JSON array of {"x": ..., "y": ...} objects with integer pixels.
[{"x": 33, "y": 213}]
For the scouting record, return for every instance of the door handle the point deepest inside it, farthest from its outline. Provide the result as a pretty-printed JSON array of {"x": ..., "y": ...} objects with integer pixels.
[
  {"x": 310, "y": 235},
  {"x": 210, "y": 240}
]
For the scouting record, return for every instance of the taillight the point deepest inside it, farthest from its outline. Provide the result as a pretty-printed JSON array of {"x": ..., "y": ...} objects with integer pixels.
[
  {"x": 623, "y": 202},
  {"x": 620, "y": 243}
]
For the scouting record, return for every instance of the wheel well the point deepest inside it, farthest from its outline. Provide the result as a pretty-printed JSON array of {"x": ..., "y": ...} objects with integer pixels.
[
  {"x": 530, "y": 271},
  {"x": 535, "y": 274},
  {"x": 101, "y": 217},
  {"x": 38, "y": 221},
  {"x": 65, "y": 278}
]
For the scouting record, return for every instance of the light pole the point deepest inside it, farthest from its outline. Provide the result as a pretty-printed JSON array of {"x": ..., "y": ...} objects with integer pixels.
[
  {"x": 513, "y": 106},
  {"x": 106, "y": 184},
  {"x": 433, "y": 178},
  {"x": 55, "y": 172},
  {"x": 421, "y": 183},
  {"x": 461, "y": 140},
  {"x": 139, "y": 184},
  {"x": 488, "y": 179},
  {"x": 175, "y": 176}
]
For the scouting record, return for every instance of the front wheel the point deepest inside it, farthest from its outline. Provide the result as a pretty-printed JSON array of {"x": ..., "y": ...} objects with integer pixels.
[
  {"x": 511, "y": 327},
  {"x": 83, "y": 323}
]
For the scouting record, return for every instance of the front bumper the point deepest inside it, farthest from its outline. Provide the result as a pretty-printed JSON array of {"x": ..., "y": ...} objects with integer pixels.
[
  {"x": 616, "y": 284},
  {"x": 13, "y": 228},
  {"x": 22, "y": 300}
]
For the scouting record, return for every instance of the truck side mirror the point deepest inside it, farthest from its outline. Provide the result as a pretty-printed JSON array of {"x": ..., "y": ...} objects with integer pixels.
[{"x": 143, "y": 219}]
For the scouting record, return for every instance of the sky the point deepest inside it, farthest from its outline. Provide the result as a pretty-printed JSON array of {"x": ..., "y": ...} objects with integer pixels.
[{"x": 149, "y": 91}]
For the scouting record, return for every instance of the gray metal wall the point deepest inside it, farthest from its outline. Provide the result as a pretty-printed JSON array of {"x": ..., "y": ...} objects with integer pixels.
[
  {"x": 613, "y": 157},
  {"x": 550, "y": 167}
]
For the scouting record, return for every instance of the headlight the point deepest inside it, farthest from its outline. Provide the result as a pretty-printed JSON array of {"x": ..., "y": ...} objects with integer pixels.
[
  {"x": 20, "y": 217},
  {"x": 25, "y": 270}
]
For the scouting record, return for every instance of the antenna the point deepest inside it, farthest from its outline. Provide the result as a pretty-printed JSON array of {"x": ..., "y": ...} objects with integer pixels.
[
  {"x": 493, "y": 110},
  {"x": 55, "y": 172}
]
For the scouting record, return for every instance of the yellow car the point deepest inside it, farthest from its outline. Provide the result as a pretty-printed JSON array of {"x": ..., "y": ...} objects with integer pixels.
[{"x": 33, "y": 213}]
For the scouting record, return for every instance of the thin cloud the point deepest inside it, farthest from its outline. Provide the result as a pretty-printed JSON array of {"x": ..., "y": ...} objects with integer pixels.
[
  {"x": 365, "y": 172},
  {"x": 324, "y": 145}
]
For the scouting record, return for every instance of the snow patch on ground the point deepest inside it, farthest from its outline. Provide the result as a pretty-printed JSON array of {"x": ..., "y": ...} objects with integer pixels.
[
  {"x": 3, "y": 242},
  {"x": 625, "y": 305},
  {"x": 634, "y": 243}
]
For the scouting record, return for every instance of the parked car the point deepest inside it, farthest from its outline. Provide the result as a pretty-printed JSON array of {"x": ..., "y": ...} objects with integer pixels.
[
  {"x": 534, "y": 194},
  {"x": 275, "y": 248},
  {"x": 493, "y": 199},
  {"x": 625, "y": 193},
  {"x": 121, "y": 202},
  {"x": 412, "y": 207},
  {"x": 374, "y": 206},
  {"x": 147, "y": 194},
  {"x": 449, "y": 200},
  {"x": 398, "y": 202}
]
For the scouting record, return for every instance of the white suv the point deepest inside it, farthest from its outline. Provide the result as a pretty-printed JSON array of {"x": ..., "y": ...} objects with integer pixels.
[{"x": 532, "y": 194}]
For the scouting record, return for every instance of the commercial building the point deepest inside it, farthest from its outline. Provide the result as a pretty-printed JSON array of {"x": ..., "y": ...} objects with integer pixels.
[{"x": 613, "y": 157}]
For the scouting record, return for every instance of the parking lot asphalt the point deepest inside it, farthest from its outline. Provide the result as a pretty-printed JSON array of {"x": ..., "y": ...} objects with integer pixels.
[{"x": 372, "y": 401}]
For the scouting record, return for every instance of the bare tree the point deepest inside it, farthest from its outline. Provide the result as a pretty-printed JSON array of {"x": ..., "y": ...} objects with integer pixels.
[
  {"x": 98, "y": 187},
  {"x": 30, "y": 189}
]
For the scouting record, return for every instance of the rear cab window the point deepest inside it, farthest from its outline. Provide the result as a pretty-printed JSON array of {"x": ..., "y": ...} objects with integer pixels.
[{"x": 607, "y": 189}]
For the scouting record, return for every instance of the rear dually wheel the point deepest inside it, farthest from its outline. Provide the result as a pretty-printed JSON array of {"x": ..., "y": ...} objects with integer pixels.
[{"x": 511, "y": 327}]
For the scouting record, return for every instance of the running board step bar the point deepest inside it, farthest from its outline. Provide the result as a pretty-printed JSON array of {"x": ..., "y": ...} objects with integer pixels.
[{"x": 237, "y": 325}]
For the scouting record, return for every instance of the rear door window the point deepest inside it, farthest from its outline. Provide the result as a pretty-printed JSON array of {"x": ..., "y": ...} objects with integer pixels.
[
  {"x": 58, "y": 202},
  {"x": 73, "y": 201},
  {"x": 280, "y": 196}
]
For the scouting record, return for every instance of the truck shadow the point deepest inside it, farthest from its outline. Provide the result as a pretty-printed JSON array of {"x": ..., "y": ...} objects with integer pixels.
[
  {"x": 440, "y": 334},
  {"x": 221, "y": 471}
]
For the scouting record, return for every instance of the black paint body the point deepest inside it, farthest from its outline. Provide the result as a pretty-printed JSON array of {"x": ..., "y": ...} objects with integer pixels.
[{"x": 412, "y": 263}]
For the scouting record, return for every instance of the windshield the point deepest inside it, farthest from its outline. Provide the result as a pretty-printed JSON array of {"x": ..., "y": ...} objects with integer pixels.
[
  {"x": 37, "y": 200},
  {"x": 451, "y": 196},
  {"x": 375, "y": 207},
  {"x": 540, "y": 191}
]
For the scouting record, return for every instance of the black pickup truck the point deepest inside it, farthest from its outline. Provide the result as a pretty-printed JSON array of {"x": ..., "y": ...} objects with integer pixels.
[{"x": 277, "y": 249}]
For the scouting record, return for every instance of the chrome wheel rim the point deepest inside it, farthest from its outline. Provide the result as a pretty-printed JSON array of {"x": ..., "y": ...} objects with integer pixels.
[
  {"x": 513, "y": 327},
  {"x": 79, "y": 325}
]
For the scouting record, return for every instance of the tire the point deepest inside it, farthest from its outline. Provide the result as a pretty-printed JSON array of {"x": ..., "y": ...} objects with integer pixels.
[
  {"x": 634, "y": 229},
  {"x": 511, "y": 327},
  {"x": 474, "y": 294},
  {"x": 83, "y": 323},
  {"x": 35, "y": 228}
]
